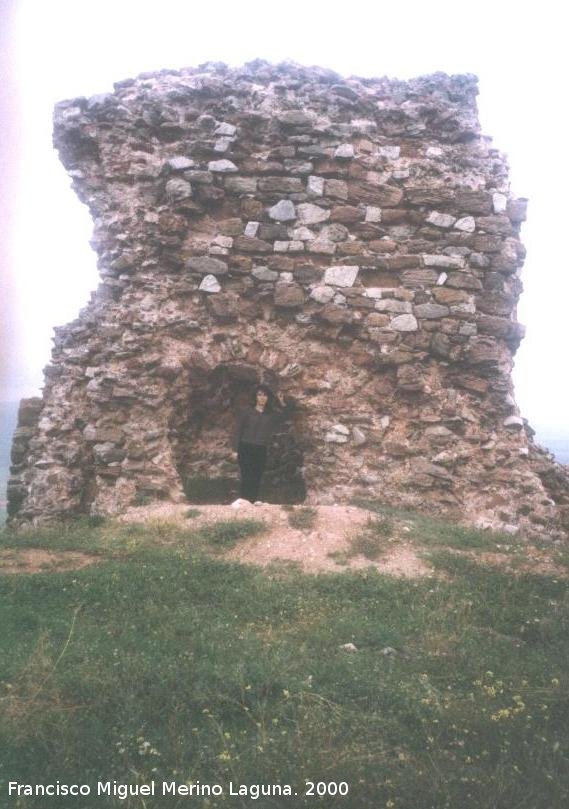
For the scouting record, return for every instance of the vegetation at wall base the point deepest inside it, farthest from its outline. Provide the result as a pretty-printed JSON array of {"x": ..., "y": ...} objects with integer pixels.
[
  {"x": 164, "y": 662},
  {"x": 372, "y": 538},
  {"x": 302, "y": 517}
]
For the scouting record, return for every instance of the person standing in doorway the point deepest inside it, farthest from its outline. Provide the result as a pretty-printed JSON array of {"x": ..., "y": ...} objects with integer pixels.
[{"x": 254, "y": 428}]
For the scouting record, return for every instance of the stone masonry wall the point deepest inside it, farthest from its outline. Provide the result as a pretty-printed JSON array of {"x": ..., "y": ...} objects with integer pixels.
[{"x": 352, "y": 242}]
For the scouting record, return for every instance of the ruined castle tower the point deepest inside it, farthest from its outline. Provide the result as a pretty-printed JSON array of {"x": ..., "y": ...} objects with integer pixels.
[{"x": 351, "y": 242}]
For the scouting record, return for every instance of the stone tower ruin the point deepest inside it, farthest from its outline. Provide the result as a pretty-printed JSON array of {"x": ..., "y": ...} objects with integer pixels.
[{"x": 351, "y": 242}]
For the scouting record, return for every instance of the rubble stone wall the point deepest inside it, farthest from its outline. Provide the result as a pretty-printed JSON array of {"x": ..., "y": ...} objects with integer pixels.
[{"x": 351, "y": 242}]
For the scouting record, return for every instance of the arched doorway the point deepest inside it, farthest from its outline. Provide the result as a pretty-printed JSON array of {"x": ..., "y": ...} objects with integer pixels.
[{"x": 201, "y": 428}]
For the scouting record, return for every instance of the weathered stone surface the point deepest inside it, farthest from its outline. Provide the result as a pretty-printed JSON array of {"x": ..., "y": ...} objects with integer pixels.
[
  {"x": 344, "y": 150},
  {"x": 346, "y": 214},
  {"x": 322, "y": 294},
  {"x": 450, "y": 262},
  {"x": 177, "y": 189},
  {"x": 241, "y": 185},
  {"x": 409, "y": 378},
  {"x": 320, "y": 245},
  {"x": 307, "y": 274},
  {"x": 283, "y": 211},
  {"x": 222, "y": 166},
  {"x": 377, "y": 320},
  {"x": 352, "y": 242},
  {"x": 474, "y": 202},
  {"x": 404, "y": 323},
  {"x": 514, "y": 423},
  {"x": 251, "y": 229},
  {"x": 199, "y": 177},
  {"x": 315, "y": 186},
  {"x": 334, "y": 233},
  {"x": 280, "y": 185},
  {"x": 224, "y": 305},
  {"x": 209, "y": 284},
  {"x": 430, "y": 310},
  {"x": 225, "y": 129},
  {"x": 373, "y": 214},
  {"x": 495, "y": 303},
  {"x": 495, "y": 224},
  {"x": 429, "y": 196},
  {"x": 441, "y": 220},
  {"x": 466, "y": 223},
  {"x": 335, "y": 314},
  {"x": 295, "y": 118},
  {"x": 359, "y": 437},
  {"x": 419, "y": 277},
  {"x": 391, "y": 152},
  {"x": 385, "y": 196},
  {"x": 448, "y": 296},
  {"x": 207, "y": 265},
  {"x": 440, "y": 345},
  {"x": 463, "y": 280},
  {"x": 179, "y": 163},
  {"x": 499, "y": 202},
  {"x": 289, "y": 295},
  {"x": 250, "y": 244},
  {"x": 310, "y": 214},
  {"x": 336, "y": 189},
  {"x": 374, "y": 292},
  {"x": 341, "y": 276},
  {"x": 391, "y": 305},
  {"x": 264, "y": 274}
]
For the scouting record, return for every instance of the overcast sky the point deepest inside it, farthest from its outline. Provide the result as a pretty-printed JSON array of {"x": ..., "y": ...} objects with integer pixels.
[{"x": 65, "y": 48}]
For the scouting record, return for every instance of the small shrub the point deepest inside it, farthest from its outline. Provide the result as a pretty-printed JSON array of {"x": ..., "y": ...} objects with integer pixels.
[
  {"x": 370, "y": 542},
  {"x": 303, "y": 518},
  {"x": 226, "y": 533},
  {"x": 382, "y": 527},
  {"x": 191, "y": 513},
  {"x": 340, "y": 557}
]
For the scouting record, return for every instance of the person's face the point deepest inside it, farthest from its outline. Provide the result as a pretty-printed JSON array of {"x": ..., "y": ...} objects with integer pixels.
[{"x": 262, "y": 398}]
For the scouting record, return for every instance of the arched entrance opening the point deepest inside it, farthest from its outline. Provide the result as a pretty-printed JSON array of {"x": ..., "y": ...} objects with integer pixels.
[{"x": 201, "y": 428}]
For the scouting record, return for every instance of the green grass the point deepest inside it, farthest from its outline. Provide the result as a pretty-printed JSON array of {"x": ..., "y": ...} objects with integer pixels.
[
  {"x": 164, "y": 662},
  {"x": 225, "y": 534},
  {"x": 372, "y": 539},
  {"x": 433, "y": 531},
  {"x": 303, "y": 518}
]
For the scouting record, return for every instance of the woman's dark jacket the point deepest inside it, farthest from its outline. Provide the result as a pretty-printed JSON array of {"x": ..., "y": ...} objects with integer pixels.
[{"x": 253, "y": 427}]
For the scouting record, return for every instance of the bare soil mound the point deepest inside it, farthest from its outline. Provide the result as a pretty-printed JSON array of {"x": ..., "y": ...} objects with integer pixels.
[{"x": 325, "y": 546}]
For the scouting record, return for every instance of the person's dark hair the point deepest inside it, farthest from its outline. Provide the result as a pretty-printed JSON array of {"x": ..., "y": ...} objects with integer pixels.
[{"x": 269, "y": 407}]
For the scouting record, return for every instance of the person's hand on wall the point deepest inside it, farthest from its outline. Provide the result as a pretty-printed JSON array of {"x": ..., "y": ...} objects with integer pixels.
[{"x": 233, "y": 456}]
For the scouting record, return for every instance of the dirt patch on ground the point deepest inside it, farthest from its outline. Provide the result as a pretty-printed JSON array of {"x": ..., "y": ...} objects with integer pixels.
[
  {"x": 36, "y": 560},
  {"x": 326, "y": 546}
]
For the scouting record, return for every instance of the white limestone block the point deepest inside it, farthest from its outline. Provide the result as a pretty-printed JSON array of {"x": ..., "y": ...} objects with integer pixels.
[{"x": 341, "y": 275}]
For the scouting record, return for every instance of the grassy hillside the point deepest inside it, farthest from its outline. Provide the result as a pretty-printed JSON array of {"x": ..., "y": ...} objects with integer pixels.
[{"x": 164, "y": 662}]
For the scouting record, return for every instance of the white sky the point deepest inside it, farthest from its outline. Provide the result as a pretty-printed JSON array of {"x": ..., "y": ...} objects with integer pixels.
[{"x": 66, "y": 48}]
